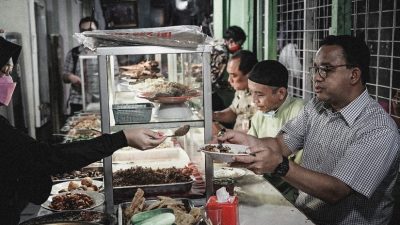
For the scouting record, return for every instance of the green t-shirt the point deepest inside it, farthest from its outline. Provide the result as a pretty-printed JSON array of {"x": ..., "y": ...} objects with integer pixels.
[{"x": 263, "y": 125}]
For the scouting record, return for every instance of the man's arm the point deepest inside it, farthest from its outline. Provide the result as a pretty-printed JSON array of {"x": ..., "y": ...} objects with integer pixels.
[
  {"x": 225, "y": 116},
  {"x": 71, "y": 78},
  {"x": 268, "y": 153},
  {"x": 325, "y": 187},
  {"x": 69, "y": 67}
]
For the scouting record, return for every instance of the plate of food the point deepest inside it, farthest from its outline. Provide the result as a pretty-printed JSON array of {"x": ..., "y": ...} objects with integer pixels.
[
  {"x": 165, "y": 99},
  {"x": 229, "y": 172},
  {"x": 168, "y": 92},
  {"x": 85, "y": 184},
  {"x": 71, "y": 217},
  {"x": 74, "y": 200},
  {"x": 225, "y": 152}
]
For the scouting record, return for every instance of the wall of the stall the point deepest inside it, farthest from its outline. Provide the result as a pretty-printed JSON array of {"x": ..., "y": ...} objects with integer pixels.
[
  {"x": 18, "y": 16},
  {"x": 15, "y": 17}
]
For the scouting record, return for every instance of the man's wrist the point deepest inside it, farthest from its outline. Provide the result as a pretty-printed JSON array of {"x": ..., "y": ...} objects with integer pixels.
[{"x": 282, "y": 169}]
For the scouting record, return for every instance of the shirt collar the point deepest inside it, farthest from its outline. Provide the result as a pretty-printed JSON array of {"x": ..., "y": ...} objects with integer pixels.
[
  {"x": 353, "y": 109},
  {"x": 276, "y": 112},
  {"x": 245, "y": 92}
]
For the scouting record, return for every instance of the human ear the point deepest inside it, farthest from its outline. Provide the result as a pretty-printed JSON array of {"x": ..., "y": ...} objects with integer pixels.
[
  {"x": 355, "y": 76},
  {"x": 281, "y": 92}
]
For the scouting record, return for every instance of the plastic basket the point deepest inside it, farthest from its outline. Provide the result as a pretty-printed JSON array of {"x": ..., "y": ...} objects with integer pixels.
[{"x": 132, "y": 113}]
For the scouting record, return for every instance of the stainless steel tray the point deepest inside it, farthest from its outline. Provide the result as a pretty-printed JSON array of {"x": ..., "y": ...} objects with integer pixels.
[
  {"x": 88, "y": 169},
  {"x": 121, "y": 208},
  {"x": 126, "y": 193},
  {"x": 73, "y": 217}
]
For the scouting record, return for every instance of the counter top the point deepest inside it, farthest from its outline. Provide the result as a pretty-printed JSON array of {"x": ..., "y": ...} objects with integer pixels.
[{"x": 260, "y": 203}]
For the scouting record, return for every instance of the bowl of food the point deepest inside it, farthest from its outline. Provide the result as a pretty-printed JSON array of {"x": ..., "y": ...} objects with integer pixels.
[{"x": 225, "y": 152}]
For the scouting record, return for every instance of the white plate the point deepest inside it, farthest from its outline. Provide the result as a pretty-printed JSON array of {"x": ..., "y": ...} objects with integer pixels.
[
  {"x": 97, "y": 197},
  {"x": 227, "y": 157},
  {"x": 64, "y": 185},
  {"x": 229, "y": 172}
]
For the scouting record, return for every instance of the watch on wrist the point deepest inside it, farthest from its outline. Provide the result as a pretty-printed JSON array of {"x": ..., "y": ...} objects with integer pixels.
[{"x": 282, "y": 169}]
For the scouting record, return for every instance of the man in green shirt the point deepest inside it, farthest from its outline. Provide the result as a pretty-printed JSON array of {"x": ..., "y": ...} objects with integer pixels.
[{"x": 268, "y": 82}]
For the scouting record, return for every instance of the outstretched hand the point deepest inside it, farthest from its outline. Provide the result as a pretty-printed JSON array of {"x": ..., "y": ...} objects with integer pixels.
[
  {"x": 261, "y": 160},
  {"x": 142, "y": 138},
  {"x": 236, "y": 137}
]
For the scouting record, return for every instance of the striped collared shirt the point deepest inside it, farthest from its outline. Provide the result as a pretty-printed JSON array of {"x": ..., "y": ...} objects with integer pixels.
[
  {"x": 358, "y": 145},
  {"x": 75, "y": 96}
]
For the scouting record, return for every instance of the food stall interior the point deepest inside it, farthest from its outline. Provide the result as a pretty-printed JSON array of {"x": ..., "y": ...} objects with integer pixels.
[{"x": 166, "y": 87}]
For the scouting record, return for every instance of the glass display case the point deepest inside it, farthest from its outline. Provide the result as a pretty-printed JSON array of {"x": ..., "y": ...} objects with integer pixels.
[
  {"x": 171, "y": 87},
  {"x": 89, "y": 82}
]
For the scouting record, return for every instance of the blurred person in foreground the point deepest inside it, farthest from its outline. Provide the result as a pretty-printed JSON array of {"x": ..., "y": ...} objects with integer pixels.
[
  {"x": 26, "y": 164},
  {"x": 350, "y": 144},
  {"x": 268, "y": 83},
  {"x": 241, "y": 109}
]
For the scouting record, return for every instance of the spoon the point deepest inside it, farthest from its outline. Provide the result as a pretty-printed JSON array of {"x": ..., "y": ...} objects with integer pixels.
[
  {"x": 220, "y": 133},
  {"x": 181, "y": 131}
]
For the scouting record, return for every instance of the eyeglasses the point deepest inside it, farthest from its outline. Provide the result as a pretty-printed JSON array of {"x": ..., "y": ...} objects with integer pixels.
[{"x": 324, "y": 70}]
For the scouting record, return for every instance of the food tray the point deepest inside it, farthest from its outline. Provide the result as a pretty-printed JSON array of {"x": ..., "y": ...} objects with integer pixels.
[
  {"x": 121, "y": 208},
  {"x": 94, "y": 217},
  {"x": 122, "y": 194},
  {"x": 89, "y": 170},
  {"x": 132, "y": 113}
]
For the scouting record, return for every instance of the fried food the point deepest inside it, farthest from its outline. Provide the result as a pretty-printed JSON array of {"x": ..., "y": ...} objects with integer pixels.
[
  {"x": 71, "y": 201},
  {"x": 216, "y": 148},
  {"x": 183, "y": 217},
  {"x": 142, "y": 176},
  {"x": 87, "y": 181},
  {"x": 85, "y": 185},
  {"x": 137, "y": 204}
]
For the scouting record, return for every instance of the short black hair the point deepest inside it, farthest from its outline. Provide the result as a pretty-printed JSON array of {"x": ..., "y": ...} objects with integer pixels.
[
  {"x": 355, "y": 52},
  {"x": 236, "y": 33},
  {"x": 247, "y": 60},
  {"x": 88, "y": 19},
  {"x": 271, "y": 73}
]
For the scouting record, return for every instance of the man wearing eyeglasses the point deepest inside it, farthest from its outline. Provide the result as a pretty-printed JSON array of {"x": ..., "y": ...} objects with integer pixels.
[{"x": 351, "y": 145}]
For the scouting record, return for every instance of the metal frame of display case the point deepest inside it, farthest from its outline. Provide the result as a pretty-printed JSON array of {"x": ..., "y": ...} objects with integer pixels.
[
  {"x": 105, "y": 85},
  {"x": 83, "y": 80}
]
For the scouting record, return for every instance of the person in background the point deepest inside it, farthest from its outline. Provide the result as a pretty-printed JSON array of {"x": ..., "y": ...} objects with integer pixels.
[
  {"x": 72, "y": 69},
  {"x": 350, "y": 144},
  {"x": 241, "y": 109},
  {"x": 26, "y": 164},
  {"x": 222, "y": 92},
  {"x": 268, "y": 82}
]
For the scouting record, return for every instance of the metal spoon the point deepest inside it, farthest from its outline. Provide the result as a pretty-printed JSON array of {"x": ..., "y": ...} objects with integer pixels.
[
  {"x": 181, "y": 131},
  {"x": 220, "y": 133}
]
